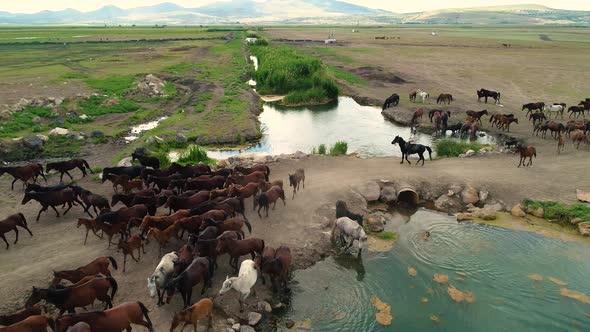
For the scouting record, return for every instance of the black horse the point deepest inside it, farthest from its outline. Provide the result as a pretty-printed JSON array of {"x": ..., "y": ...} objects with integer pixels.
[
  {"x": 483, "y": 93},
  {"x": 409, "y": 148},
  {"x": 131, "y": 171},
  {"x": 146, "y": 160},
  {"x": 393, "y": 100},
  {"x": 454, "y": 128}
]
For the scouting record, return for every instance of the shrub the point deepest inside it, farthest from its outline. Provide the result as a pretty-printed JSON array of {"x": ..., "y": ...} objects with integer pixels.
[
  {"x": 452, "y": 148},
  {"x": 194, "y": 155},
  {"x": 339, "y": 149},
  {"x": 560, "y": 213},
  {"x": 23, "y": 120},
  {"x": 322, "y": 149}
]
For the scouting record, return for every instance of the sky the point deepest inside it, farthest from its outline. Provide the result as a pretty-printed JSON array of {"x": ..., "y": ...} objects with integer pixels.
[{"x": 32, "y": 6}]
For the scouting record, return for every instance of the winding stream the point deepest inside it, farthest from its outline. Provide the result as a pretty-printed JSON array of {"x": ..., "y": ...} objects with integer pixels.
[{"x": 494, "y": 263}]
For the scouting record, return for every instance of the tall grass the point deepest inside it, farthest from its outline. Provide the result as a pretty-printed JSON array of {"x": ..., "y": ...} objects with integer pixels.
[
  {"x": 339, "y": 149},
  {"x": 23, "y": 120},
  {"x": 284, "y": 70},
  {"x": 95, "y": 106},
  {"x": 114, "y": 85},
  {"x": 560, "y": 213},
  {"x": 194, "y": 155},
  {"x": 451, "y": 148}
]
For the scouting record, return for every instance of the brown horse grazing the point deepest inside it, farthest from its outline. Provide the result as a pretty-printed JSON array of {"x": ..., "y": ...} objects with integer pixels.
[
  {"x": 97, "y": 266},
  {"x": 200, "y": 269},
  {"x": 163, "y": 237},
  {"x": 64, "y": 166},
  {"x": 80, "y": 327},
  {"x": 218, "y": 193},
  {"x": 264, "y": 186},
  {"x": 135, "y": 242},
  {"x": 117, "y": 180},
  {"x": 175, "y": 203},
  {"x": 10, "y": 224},
  {"x": 238, "y": 248},
  {"x": 24, "y": 173},
  {"x": 296, "y": 179},
  {"x": 417, "y": 115},
  {"x": 257, "y": 168},
  {"x": 22, "y": 315},
  {"x": 578, "y": 137},
  {"x": 278, "y": 267},
  {"x": 505, "y": 123},
  {"x": 525, "y": 152},
  {"x": 192, "y": 315},
  {"x": 560, "y": 143},
  {"x": 233, "y": 224},
  {"x": 162, "y": 222},
  {"x": 53, "y": 199},
  {"x": 243, "y": 192},
  {"x": 444, "y": 98},
  {"x": 477, "y": 115},
  {"x": 263, "y": 200},
  {"x": 37, "y": 323},
  {"x": 243, "y": 180},
  {"x": 67, "y": 299},
  {"x": 116, "y": 319}
]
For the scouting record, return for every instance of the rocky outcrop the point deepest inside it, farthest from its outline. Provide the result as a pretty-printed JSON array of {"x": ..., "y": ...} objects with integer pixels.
[
  {"x": 450, "y": 204},
  {"x": 33, "y": 142},
  {"x": 517, "y": 211},
  {"x": 469, "y": 195},
  {"x": 59, "y": 131},
  {"x": 375, "y": 223},
  {"x": 388, "y": 193},
  {"x": 369, "y": 190},
  {"x": 539, "y": 212},
  {"x": 149, "y": 86},
  {"x": 584, "y": 228}
]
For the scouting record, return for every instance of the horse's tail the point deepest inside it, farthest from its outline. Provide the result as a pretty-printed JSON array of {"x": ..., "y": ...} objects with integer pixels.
[
  {"x": 87, "y": 166},
  {"x": 248, "y": 225},
  {"x": 267, "y": 173},
  {"x": 22, "y": 216},
  {"x": 429, "y": 152},
  {"x": 499, "y": 96},
  {"x": 263, "y": 245},
  {"x": 113, "y": 262},
  {"x": 114, "y": 286},
  {"x": 145, "y": 312}
]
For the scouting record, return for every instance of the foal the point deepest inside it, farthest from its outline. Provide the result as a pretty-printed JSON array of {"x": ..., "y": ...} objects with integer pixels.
[
  {"x": 200, "y": 310},
  {"x": 296, "y": 179},
  {"x": 10, "y": 224},
  {"x": 133, "y": 243}
]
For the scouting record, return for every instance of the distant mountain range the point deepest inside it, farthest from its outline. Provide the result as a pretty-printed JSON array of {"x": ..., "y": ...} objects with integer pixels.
[{"x": 295, "y": 12}]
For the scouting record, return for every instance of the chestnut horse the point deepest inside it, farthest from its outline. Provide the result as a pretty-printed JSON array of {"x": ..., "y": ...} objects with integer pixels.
[
  {"x": 192, "y": 224},
  {"x": 238, "y": 248},
  {"x": 22, "y": 315},
  {"x": 257, "y": 168},
  {"x": 243, "y": 192},
  {"x": 53, "y": 199},
  {"x": 135, "y": 242},
  {"x": 175, "y": 203},
  {"x": 296, "y": 179},
  {"x": 162, "y": 222},
  {"x": 444, "y": 98},
  {"x": 99, "y": 265},
  {"x": 243, "y": 180},
  {"x": 233, "y": 224},
  {"x": 200, "y": 310},
  {"x": 116, "y": 319},
  {"x": 264, "y": 186},
  {"x": 37, "y": 323},
  {"x": 10, "y": 224},
  {"x": 64, "y": 166},
  {"x": 24, "y": 173},
  {"x": 163, "y": 237},
  {"x": 263, "y": 200},
  {"x": 526, "y": 152}
]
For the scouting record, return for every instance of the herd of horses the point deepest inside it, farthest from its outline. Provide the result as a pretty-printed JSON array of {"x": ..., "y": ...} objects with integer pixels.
[
  {"x": 538, "y": 112},
  {"x": 206, "y": 219}
]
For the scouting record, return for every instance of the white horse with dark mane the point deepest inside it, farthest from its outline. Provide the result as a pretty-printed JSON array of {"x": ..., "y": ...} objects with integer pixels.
[
  {"x": 157, "y": 281},
  {"x": 555, "y": 109},
  {"x": 243, "y": 283},
  {"x": 422, "y": 95},
  {"x": 349, "y": 229}
]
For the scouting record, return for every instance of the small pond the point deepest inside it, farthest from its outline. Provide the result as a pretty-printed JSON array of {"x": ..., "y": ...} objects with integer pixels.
[{"x": 496, "y": 264}]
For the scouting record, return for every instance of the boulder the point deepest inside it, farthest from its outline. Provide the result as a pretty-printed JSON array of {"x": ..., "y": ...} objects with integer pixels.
[
  {"x": 246, "y": 328},
  {"x": 375, "y": 223},
  {"x": 575, "y": 221},
  {"x": 464, "y": 216},
  {"x": 483, "y": 195},
  {"x": 469, "y": 153},
  {"x": 584, "y": 228},
  {"x": 42, "y": 137},
  {"x": 455, "y": 188},
  {"x": 96, "y": 134},
  {"x": 289, "y": 323},
  {"x": 32, "y": 142},
  {"x": 84, "y": 117},
  {"x": 388, "y": 194},
  {"x": 469, "y": 195},
  {"x": 126, "y": 162},
  {"x": 59, "y": 121},
  {"x": 497, "y": 207},
  {"x": 264, "y": 306},
  {"x": 448, "y": 204},
  {"x": 236, "y": 327},
  {"x": 539, "y": 213},
  {"x": 582, "y": 195},
  {"x": 369, "y": 190},
  {"x": 231, "y": 321},
  {"x": 59, "y": 131},
  {"x": 181, "y": 138},
  {"x": 517, "y": 211},
  {"x": 254, "y": 318},
  {"x": 486, "y": 214},
  {"x": 36, "y": 119},
  {"x": 300, "y": 155}
]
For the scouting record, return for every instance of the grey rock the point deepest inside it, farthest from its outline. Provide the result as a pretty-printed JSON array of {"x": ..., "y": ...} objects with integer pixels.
[
  {"x": 388, "y": 194},
  {"x": 469, "y": 195},
  {"x": 483, "y": 195},
  {"x": 236, "y": 327},
  {"x": 96, "y": 134},
  {"x": 125, "y": 162},
  {"x": 32, "y": 142},
  {"x": 584, "y": 228},
  {"x": 246, "y": 328},
  {"x": 264, "y": 306},
  {"x": 254, "y": 318},
  {"x": 180, "y": 138},
  {"x": 375, "y": 223},
  {"x": 369, "y": 190},
  {"x": 497, "y": 207},
  {"x": 517, "y": 211}
]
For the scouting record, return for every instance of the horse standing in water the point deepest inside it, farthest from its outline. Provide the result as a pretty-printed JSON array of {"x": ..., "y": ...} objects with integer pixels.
[{"x": 408, "y": 148}]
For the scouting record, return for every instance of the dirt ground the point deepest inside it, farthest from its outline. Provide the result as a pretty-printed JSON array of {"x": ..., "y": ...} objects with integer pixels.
[{"x": 57, "y": 244}]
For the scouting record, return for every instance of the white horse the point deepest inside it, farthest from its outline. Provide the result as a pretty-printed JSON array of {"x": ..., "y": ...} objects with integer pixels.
[
  {"x": 351, "y": 229},
  {"x": 157, "y": 281},
  {"x": 243, "y": 282},
  {"x": 556, "y": 109},
  {"x": 422, "y": 95}
]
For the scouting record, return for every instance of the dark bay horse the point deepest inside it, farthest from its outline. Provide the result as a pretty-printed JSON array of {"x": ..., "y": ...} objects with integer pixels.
[
  {"x": 477, "y": 115},
  {"x": 408, "y": 148},
  {"x": 146, "y": 161},
  {"x": 200, "y": 270},
  {"x": 444, "y": 98},
  {"x": 64, "y": 166},
  {"x": 248, "y": 170},
  {"x": 278, "y": 267},
  {"x": 118, "y": 318},
  {"x": 483, "y": 93},
  {"x": 526, "y": 152},
  {"x": 10, "y": 224},
  {"x": 7, "y": 320},
  {"x": 53, "y": 199},
  {"x": 393, "y": 100},
  {"x": 533, "y": 106},
  {"x": 239, "y": 248},
  {"x": 24, "y": 173},
  {"x": 132, "y": 171}
]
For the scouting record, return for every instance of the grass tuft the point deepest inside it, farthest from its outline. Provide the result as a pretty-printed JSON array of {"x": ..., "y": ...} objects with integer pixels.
[
  {"x": 452, "y": 148},
  {"x": 339, "y": 149},
  {"x": 559, "y": 212}
]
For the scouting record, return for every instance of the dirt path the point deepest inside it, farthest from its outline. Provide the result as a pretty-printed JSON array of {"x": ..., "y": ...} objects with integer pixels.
[{"x": 57, "y": 244}]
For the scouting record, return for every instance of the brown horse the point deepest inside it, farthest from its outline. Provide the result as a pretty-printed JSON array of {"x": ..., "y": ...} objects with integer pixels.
[
  {"x": 218, "y": 193},
  {"x": 278, "y": 267},
  {"x": 296, "y": 179},
  {"x": 243, "y": 180},
  {"x": 526, "y": 152},
  {"x": 505, "y": 123},
  {"x": 52, "y": 199},
  {"x": 24, "y": 173},
  {"x": 444, "y": 98},
  {"x": 216, "y": 182},
  {"x": 476, "y": 116},
  {"x": 192, "y": 315},
  {"x": 37, "y": 323},
  {"x": 233, "y": 224},
  {"x": 163, "y": 237},
  {"x": 554, "y": 127},
  {"x": 263, "y": 200},
  {"x": 67, "y": 299},
  {"x": 413, "y": 95},
  {"x": 134, "y": 242},
  {"x": 192, "y": 224},
  {"x": 90, "y": 225},
  {"x": 243, "y": 192},
  {"x": 132, "y": 184},
  {"x": 264, "y": 186},
  {"x": 117, "y": 180},
  {"x": 560, "y": 143},
  {"x": 199, "y": 270},
  {"x": 175, "y": 203},
  {"x": 238, "y": 248},
  {"x": 22, "y": 315},
  {"x": 578, "y": 137},
  {"x": 64, "y": 166},
  {"x": 267, "y": 254},
  {"x": 162, "y": 222},
  {"x": 256, "y": 168},
  {"x": 116, "y": 319},
  {"x": 97, "y": 266},
  {"x": 10, "y": 224}
]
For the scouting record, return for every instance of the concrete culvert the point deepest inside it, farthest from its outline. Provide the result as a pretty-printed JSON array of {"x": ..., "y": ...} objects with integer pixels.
[{"x": 406, "y": 194}]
